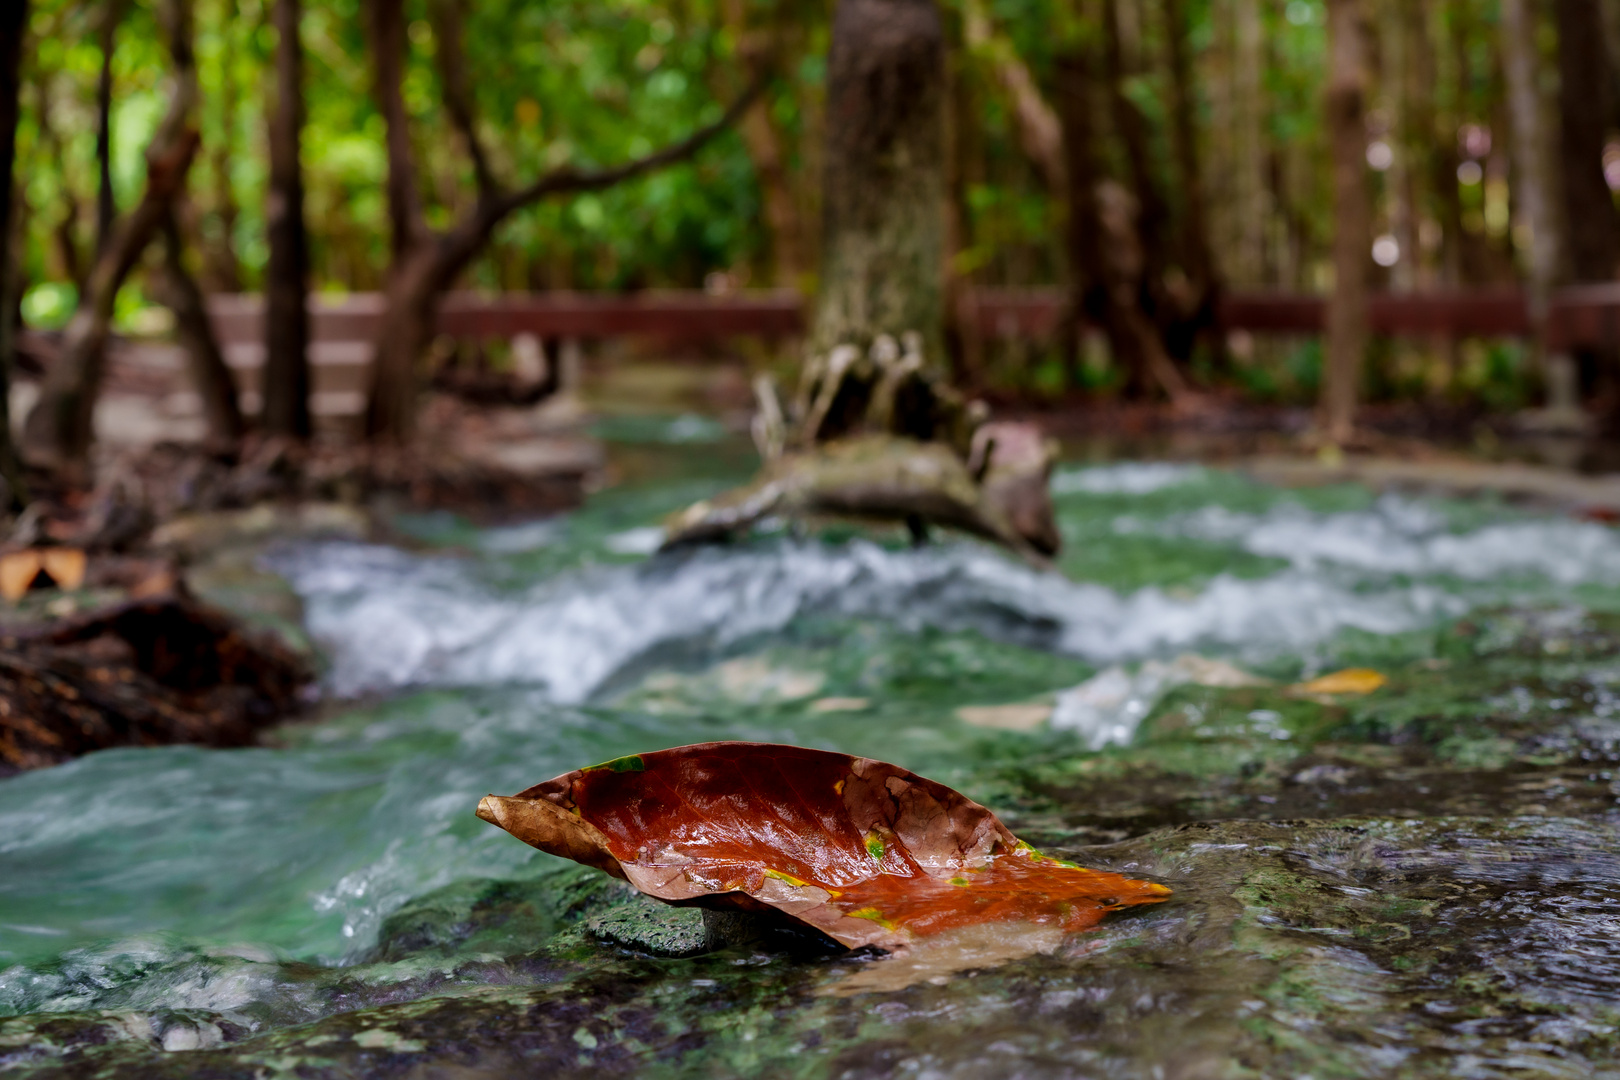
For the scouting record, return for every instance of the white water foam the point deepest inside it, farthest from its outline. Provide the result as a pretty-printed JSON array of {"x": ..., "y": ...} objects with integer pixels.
[
  {"x": 1401, "y": 536},
  {"x": 391, "y": 619},
  {"x": 1126, "y": 478}
]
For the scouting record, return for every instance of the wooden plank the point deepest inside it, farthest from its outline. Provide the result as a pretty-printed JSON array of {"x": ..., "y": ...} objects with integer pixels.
[
  {"x": 1583, "y": 316},
  {"x": 680, "y": 315}
]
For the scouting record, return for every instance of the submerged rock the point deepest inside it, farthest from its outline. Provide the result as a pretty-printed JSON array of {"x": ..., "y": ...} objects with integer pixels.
[
  {"x": 1421, "y": 882},
  {"x": 1361, "y": 947}
]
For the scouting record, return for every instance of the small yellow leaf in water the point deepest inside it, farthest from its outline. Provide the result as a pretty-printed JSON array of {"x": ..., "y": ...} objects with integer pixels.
[
  {"x": 66, "y": 567},
  {"x": 17, "y": 572},
  {"x": 1349, "y": 681}
]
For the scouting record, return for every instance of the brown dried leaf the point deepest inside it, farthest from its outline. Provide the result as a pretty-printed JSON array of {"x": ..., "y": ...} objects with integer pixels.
[{"x": 866, "y": 852}]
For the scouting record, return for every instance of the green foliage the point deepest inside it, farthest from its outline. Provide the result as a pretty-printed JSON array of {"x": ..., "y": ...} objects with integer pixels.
[{"x": 595, "y": 82}]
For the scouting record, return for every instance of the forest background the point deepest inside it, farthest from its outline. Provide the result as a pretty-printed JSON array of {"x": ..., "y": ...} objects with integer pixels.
[{"x": 1482, "y": 137}]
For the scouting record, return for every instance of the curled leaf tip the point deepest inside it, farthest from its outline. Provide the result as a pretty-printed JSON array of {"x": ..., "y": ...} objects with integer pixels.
[{"x": 486, "y": 809}]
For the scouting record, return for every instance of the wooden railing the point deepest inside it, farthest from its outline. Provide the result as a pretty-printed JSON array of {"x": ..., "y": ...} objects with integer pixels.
[{"x": 1586, "y": 315}]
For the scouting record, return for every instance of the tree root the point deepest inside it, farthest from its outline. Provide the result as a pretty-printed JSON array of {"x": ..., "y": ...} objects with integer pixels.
[{"x": 878, "y": 436}]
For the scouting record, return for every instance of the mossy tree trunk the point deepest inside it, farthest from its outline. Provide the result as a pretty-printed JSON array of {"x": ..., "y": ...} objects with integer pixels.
[
  {"x": 877, "y": 337},
  {"x": 877, "y": 432},
  {"x": 883, "y": 233}
]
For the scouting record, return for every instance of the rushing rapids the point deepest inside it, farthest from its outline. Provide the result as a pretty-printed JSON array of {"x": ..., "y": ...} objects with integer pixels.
[{"x": 1420, "y": 881}]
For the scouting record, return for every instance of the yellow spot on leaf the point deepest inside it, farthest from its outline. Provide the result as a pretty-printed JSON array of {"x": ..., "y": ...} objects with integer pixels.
[{"x": 872, "y": 914}]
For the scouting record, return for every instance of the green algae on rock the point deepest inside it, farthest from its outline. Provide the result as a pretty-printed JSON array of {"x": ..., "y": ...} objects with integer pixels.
[{"x": 1349, "y": 948}]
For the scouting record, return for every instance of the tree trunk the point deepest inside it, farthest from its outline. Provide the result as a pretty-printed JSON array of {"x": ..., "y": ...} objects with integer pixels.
[
  {"x": 1197, "y": 252},
  {"x": 409, "y": 313},
  {"x": 1445, "y": 159},
  {"x": 1130, "y": 127},
  {"x": 106, "y": 201},
  {"x": 1040, "y": 131},
  {"x": 758, "y": 46},
  {"x": 210, "y": 376},
  {"x": 286, "y": 341},
  {"x": 879, "y": 433},
  {"x": 1583, "y": 99},
  {"x": 884, "y": 199},
  {"x": 1610, "y": 10},
  {"x": 224, "y": 269},
  {"x": 59, "y": 430},
  {"x": 13, "y": 26},
  {"x": 1533, "y": 163},
  {"x": 1248, "y": 107},
  {"x": 1105, "y": 257},
  {"x": 1352, "y": 234}
]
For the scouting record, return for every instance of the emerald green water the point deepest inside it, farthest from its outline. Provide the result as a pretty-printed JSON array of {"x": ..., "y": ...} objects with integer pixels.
[{"x": 1420, "y": 882}]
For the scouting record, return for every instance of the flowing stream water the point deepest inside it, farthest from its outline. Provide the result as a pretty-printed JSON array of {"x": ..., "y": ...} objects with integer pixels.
[{"x": 1421, "y": 881}]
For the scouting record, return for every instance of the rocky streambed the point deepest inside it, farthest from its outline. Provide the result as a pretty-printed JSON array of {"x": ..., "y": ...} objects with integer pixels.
[{"x": 1423, "y": 880}]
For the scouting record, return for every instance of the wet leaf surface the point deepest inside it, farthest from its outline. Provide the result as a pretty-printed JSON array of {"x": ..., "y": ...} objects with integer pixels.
[{"x": 865, "y": 852}]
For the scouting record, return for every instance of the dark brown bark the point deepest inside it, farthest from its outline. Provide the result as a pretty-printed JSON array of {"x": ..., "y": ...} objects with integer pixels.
[
  {"x": 1593, "y": 247},
  {"x": 388, "y": 52},
  {"x": 286, "y": 382},
  {"x": 1352, "y": 219},
  {"x": 426, "y": 262},
  {"x": 759, "y": 47},
  {"x": 106, "y": 201},
  {"x": 59, "y": 430},
  {"x": 1198, "y": 253},
  {"x": 205, "y": 363},
  {"x": 1106, "y": 260},
  {"x": 223, "y": 268},
  {"x": 883, "y": 224},
  {"x": 1130, "y": 127},
  {"x": 13, "y": 26}
]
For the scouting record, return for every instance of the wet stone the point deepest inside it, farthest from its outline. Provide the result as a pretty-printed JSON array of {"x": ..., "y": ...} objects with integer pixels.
[
  {"x": 1360, "y": 947},
  {"x": 645, "y": 925}
]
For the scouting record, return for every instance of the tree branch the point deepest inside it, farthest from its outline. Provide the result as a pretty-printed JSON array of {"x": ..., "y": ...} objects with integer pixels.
[
  {"x": 1040, "y": 132},
  {"x": 569, "y": 180},
  {"x": 388, "y": 47},
  {"x": 106, "y": 204},
  {"x": 451, "y": 54}
]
